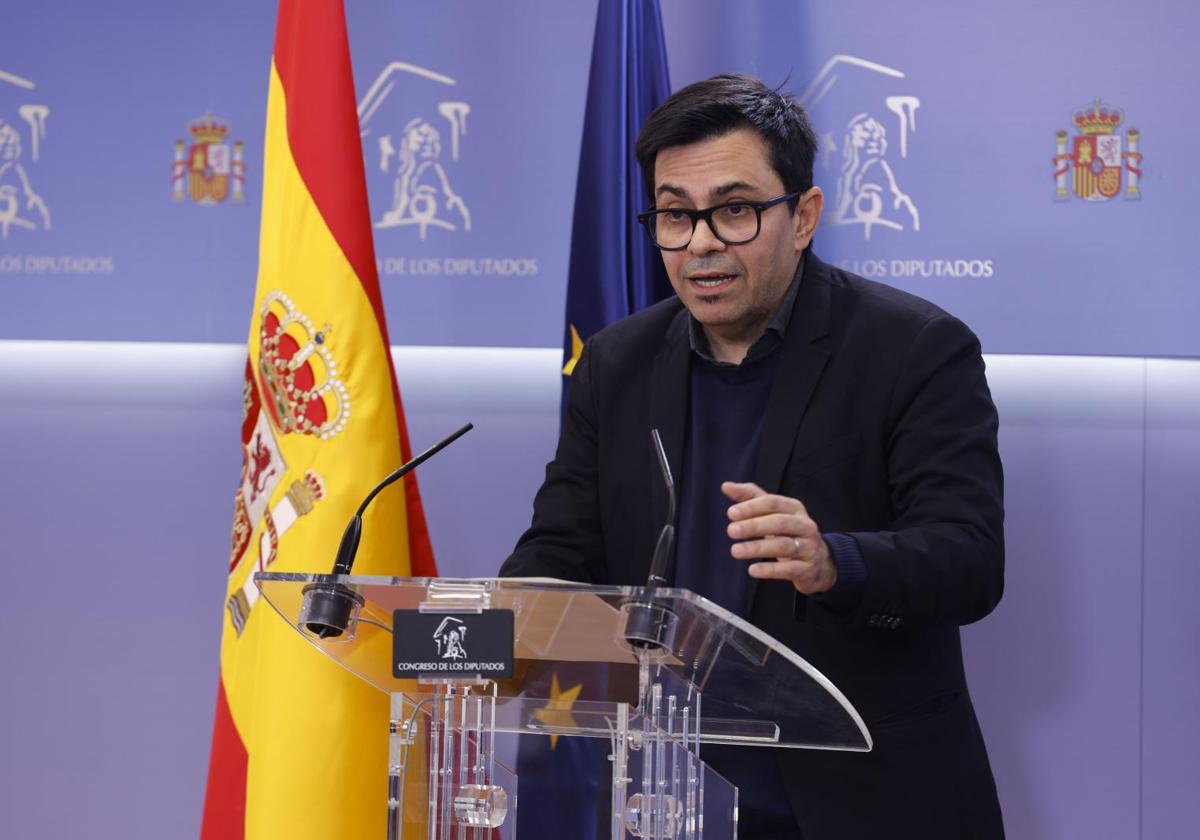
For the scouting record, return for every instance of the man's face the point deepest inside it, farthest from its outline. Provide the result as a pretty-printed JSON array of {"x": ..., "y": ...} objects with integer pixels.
[{"x": 732, "y": 290}]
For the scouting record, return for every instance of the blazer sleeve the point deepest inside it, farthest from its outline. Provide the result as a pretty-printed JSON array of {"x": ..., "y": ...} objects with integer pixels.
[
  {"x": 564, "y": 539},
  {"x": 943, "y": 561}
]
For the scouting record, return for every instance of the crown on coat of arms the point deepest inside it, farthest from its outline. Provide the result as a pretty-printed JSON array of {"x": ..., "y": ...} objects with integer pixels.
[
  {"x": 208, "y": 129},
  {"x": 299, "y": 374},
  {"x": 305, "y": 494},
  {"x": 1098, "y": 118}
]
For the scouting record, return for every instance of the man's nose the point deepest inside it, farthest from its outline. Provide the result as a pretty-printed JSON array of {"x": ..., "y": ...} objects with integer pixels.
[{"x": 704, "y": 239}]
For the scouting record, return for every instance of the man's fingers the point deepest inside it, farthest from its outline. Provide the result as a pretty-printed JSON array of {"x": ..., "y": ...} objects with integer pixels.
[
  {"x": 765, "y": 504},
  {"x": 741, "y": 491},
  {"x": 780, "y": 570},
  {"x": 782, "y": 524},
  {"x": 804, "y": 576},
  {"x": 783, "y": 548}
]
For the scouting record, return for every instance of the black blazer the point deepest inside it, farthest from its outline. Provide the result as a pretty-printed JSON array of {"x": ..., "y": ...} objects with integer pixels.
[{"x": 880, "y": 420}]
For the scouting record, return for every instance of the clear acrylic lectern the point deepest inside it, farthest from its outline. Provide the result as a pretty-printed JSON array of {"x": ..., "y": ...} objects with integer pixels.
[{"x": 447, "y": 777}]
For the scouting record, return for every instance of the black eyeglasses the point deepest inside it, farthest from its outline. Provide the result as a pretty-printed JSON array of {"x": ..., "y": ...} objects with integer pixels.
[{"x": 735, "y": 223}]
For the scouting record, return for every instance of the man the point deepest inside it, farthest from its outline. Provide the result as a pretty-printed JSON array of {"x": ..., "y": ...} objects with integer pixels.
[{"x": 834, "y": 443}]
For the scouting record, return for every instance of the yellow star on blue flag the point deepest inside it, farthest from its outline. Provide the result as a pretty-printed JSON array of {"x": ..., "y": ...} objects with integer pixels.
[
  {"x": 557, "y": 711},
  {"x": 576, "y": 352}
]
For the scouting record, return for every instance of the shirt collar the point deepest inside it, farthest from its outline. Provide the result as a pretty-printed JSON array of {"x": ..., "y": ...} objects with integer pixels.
[{"x": 772, "y": 336}]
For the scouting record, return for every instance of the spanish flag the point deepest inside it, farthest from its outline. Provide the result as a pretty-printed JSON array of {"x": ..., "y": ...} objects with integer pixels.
[{"x": 299, "y": 744}]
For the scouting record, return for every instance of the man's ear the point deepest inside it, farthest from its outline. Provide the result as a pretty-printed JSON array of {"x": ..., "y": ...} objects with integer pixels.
[{"x": 808, "y": 216}]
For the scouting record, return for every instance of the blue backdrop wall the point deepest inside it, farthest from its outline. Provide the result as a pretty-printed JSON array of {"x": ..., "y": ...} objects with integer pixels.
[{"x": 942, "y": 127}]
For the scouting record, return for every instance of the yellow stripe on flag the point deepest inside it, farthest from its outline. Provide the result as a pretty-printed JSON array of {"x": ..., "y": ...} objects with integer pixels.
[{"x": 316, "y": 735}]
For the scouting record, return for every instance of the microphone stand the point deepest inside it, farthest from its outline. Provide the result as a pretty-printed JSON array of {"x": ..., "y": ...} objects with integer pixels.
[
  {"x": 328, "y": 606},
  {"x": 649, "y": 623}
]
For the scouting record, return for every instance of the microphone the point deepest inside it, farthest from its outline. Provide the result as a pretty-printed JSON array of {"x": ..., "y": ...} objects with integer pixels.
[
  {"x": 649, "y": 624},
  {"x": 666, "y": 539},
  {"x": 328, "y": 606},
  {"x": 348, "y": 548}
]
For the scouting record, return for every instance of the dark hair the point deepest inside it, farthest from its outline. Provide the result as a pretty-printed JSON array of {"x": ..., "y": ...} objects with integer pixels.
[{"x": 716, "y": 106}]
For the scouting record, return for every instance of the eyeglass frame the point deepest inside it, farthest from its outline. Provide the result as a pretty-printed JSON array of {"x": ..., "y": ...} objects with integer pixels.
[{"x": 706, "y": 214}]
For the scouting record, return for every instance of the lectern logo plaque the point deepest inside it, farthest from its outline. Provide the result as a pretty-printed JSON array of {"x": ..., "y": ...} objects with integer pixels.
[{"x": 436, "y": 644}]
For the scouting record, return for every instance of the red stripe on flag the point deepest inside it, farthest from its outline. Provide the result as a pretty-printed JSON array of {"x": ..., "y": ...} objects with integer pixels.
[
  {"x": 312, "y": 58},
  {"x": 225, "y": 798}
]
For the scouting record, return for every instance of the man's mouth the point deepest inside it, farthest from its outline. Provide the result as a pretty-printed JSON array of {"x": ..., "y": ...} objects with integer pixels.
[{"x": 709, "y": 282}]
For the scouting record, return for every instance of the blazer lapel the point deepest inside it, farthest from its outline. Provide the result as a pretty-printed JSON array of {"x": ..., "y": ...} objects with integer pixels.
[
  {"x": 805, "y": 355},
  {"x": 668, "y": 414}
]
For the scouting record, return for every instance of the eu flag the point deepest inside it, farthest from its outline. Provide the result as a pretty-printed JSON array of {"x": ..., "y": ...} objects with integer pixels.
[{"x": 614, "y": 271}]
